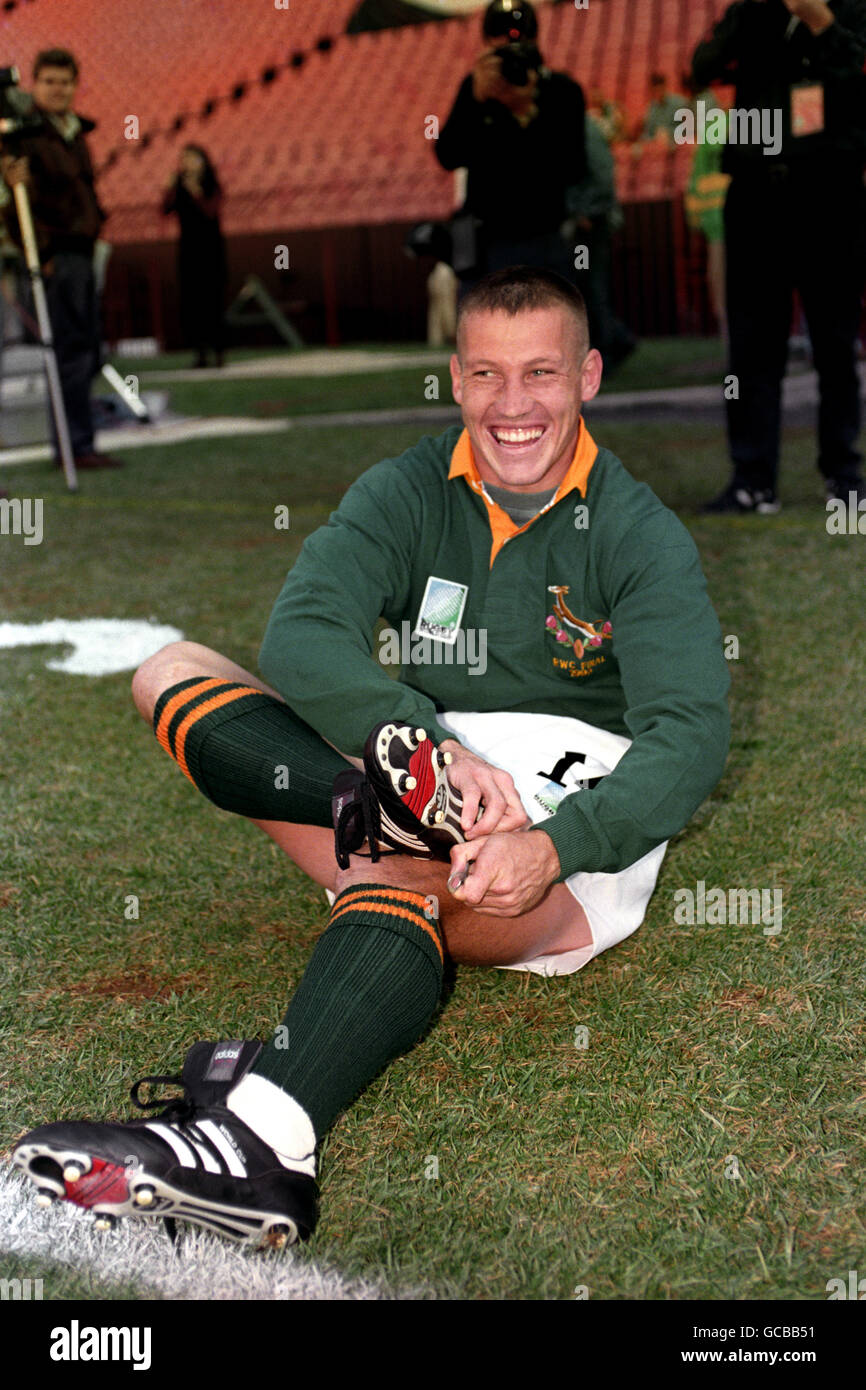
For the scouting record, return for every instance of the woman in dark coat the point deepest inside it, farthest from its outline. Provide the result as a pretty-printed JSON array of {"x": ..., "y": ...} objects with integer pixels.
[{"x": 194, "y": 194}]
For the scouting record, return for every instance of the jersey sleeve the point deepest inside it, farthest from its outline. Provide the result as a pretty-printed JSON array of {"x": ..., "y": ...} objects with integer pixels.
[
  {"x": 318, "y": 646},
  {"x": 675, "y": 679}
]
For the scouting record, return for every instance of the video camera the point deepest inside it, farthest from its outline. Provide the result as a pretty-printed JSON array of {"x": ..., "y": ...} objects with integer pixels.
[{"x": 19, "y": 114}]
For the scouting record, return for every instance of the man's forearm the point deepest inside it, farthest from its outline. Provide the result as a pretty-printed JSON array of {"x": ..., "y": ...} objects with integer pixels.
[
  {"x": 815, "y": 14},
  {"x": 650, "y": 796},
  {"x": 343, "y": 704}
]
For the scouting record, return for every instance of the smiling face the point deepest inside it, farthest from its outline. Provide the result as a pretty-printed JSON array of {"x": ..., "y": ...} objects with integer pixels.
[{"x": 521, "y": 380}]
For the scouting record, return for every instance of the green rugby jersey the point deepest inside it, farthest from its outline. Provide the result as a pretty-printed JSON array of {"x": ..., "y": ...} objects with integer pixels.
[{"x": 596, "y": 609}]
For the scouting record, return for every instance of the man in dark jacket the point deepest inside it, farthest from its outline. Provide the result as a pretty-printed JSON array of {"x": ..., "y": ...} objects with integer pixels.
[
  {"x": 54, "y": 163},
  {"x": 794, "y": 219},
  {"x": 523, "y": 144}
]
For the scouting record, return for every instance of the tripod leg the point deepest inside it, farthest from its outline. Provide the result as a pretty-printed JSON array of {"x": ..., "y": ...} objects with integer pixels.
[{"x": 55, "y": 392}]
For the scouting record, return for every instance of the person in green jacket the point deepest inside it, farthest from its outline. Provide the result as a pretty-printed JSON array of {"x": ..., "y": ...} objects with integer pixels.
[
  {"x": 705, "y": 209},
  {"x": 562, "y": 704}
]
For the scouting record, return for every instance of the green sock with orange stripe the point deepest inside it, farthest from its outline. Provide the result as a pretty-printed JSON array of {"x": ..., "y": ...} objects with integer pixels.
[
  {"x": 247, "y": 751},
  {"x": 368, "y": 994}
]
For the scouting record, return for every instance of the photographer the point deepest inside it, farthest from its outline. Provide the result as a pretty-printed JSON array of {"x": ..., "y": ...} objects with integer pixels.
[
  {"x": 519, "y": 130},
  {"x": 794, "y": 219},
  {"x": 53, "y": 162}
]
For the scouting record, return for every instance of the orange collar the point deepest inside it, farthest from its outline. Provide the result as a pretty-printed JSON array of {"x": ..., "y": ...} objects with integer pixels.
[{"x": 463, "y": 465}]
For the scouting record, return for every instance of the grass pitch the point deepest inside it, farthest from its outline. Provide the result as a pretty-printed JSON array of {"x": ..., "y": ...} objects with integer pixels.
[{"x": 711, "y": 1050}]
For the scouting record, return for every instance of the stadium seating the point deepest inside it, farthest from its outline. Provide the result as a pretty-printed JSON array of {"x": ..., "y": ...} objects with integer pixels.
[{"x": 338, "y": 140}]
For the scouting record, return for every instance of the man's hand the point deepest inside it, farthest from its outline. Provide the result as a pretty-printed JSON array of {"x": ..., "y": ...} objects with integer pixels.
[
  {"x": 813, "y": 13},
  {"x": 15, "y": 170},
  {"x": 508, "y": 874},
  {"x": 481, "y": 784},
  {"x": 488, "y": 84},
  {"x": 487, "y": 78}
]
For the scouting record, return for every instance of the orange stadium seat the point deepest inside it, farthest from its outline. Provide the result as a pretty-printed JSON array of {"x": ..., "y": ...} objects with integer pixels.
[{"x": 339, "y": 140}]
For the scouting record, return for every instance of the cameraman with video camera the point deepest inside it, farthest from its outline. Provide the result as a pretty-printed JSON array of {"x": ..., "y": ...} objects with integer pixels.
[
  {"x": 518, "y": 128},
  {"x": 50, "y": 156}
]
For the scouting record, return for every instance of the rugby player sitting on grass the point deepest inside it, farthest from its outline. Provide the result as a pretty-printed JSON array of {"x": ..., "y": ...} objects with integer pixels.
[{"x": 515, "y": 819}]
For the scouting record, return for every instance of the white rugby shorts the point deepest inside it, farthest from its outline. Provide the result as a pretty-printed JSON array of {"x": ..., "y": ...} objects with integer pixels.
[{"x": 531, "y": 747}]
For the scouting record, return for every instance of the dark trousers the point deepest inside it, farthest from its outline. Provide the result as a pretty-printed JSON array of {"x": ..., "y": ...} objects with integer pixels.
[
  {"x": 202, "y": 278},
  {"x": 72, "y": 306},
  {"x": 607, "y": 332},
  {"x": 802, "y": 231}
]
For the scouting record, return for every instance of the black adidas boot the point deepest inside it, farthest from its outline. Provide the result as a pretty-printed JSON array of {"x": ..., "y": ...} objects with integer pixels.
[{"x": 193, "y": 1161}]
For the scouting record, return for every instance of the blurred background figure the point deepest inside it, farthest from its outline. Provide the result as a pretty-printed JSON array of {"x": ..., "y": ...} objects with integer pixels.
[
  {"x": 597, "y": 216},
  {"x": 441, "y": 305},
  {"x": 53, "y": 161},
  {"x": 195, "y": 196},
  {"x": 705, "y": 207},
  {"x": 660, "y": 119},
  {"x": 518, "y": 129},
  {"x": 608, "y": 115},
  {"x": 794, "y": 219}
]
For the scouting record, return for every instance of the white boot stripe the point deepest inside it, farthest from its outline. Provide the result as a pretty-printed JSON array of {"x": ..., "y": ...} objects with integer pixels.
[
  {"x": 209, "y": 1163},
  {"x": 174, "y": 1141},
  {"x": 219, "y": 1141}
]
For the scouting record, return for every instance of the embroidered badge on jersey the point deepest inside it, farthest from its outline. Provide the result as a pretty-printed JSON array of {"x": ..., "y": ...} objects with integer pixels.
[
  {"x": 574, "y": 635},
  {"x": 441, "y": 610}
]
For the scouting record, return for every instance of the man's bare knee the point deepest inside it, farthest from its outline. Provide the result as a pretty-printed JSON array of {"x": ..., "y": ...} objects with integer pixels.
[
  {"x": 180, "y": 661},
  {"x": 170, "y": 665}
]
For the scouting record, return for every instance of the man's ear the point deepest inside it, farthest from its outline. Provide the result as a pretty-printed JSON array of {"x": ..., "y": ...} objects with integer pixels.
[
  {"x": 456, "y": 387},
  {"x": 590, "y": 375}
]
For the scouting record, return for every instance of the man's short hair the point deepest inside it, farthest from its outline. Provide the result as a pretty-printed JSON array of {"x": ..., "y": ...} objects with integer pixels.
[
  {"x": 518, "y": 290},
  {"x": 55, "y": 58}
]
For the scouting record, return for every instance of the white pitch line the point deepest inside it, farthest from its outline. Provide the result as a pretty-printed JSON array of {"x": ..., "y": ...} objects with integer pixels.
[
  {"x": 316, "y": 362},
  {"x": 138, "y": 436},
  {"x": 100, "y": 646},
  {"x": 140, "y": 1254}
]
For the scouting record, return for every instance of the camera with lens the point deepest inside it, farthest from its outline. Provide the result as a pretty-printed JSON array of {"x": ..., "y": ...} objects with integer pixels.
[
  {"x": 18, "y": 113},
  {"x": 517, "y": 60}
]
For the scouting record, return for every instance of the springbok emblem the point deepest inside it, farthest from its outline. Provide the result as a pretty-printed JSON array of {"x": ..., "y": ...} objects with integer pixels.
[{"x": 562, "y": 617}]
